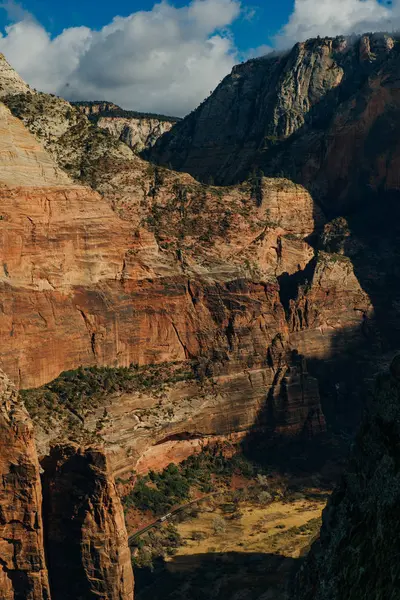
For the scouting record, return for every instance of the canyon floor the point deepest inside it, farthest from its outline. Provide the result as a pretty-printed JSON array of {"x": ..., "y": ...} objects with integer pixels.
[
  {"x": 250, "y": 554},
  {"x": 243, "y": 540}
]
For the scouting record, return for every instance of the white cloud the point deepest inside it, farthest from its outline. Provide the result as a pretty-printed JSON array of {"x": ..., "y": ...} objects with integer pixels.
[
  {"x": 167, "y": 59},
  {"x": 163, "y": 60},
  {"x": 258, "y": 51},
  {"x": 335, "y": 17}
]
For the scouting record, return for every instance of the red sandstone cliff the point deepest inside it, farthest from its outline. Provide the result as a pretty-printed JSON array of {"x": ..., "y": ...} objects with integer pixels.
[
  {"x": 158, "y": 268},
  {"x": 80, "y": 285},
  {"x": 23, "y": 572},
  {"x": 82, "y": 540}
]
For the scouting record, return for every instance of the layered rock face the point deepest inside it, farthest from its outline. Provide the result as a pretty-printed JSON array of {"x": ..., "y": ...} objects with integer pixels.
[
  {"x": 160, "y": 268},
  {"x": 23, "y": 571},
  {"x": 355, "y": 555},
  {"x": 87, "y": 543},
  {"x": 54, "y": 239}
]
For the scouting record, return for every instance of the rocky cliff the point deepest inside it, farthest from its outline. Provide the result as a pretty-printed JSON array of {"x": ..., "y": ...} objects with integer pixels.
[
  {"x": 158, "y": 268},
  {"x": 86, "y": 538},
  {"x": 325, "y": 116},
  {"x": 355, "y": 557},
  {"x": 151, "y": 277},
  {"x": 73, "y": 534},
  {"x": 266, "y": 103},
  {"x": 139, "y": 131},
  {"x": 23, "y": 571}
]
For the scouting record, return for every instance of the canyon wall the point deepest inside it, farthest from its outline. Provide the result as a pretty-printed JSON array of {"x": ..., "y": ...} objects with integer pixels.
[
  {"x": 154, "y": 267},
  {"x": 86, "y": 538},
  {"x": 268, "y": 102},
  {"x": 324, "y": 115},
  {"x": 23, "y": 571},
  {"x": 82, "y": 285}
]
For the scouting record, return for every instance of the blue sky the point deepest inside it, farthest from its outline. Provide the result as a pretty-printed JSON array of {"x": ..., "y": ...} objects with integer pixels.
[
  {"x": 164, "y": 56},
  {"x": 55, "y": 15}
]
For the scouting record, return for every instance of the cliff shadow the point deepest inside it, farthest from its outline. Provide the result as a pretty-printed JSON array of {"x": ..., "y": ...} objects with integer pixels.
[
  {"x": 217, "y": 576},
  {"x": 372, "y": 243}
]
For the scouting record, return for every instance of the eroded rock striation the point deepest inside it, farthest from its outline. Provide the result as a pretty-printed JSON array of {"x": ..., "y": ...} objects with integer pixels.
[
  {"x": 23, "y": 571},
  {"x": 359, "y": 540}
]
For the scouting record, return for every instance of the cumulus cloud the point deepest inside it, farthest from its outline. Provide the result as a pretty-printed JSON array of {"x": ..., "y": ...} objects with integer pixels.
[
  {"x": 335, "y": 17},
  {"x": 167, "y": 59},
  {"x": 164, "y": 60}
]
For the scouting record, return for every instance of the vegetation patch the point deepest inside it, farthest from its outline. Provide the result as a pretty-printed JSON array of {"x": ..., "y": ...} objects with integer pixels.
[
  {"x": 158, "y": 543},
  {"x": 83, "y": 389},
  {"x": 159, "y": 492}
]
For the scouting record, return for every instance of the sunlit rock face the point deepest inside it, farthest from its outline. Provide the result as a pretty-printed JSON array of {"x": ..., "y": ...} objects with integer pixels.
[{"x": 139, "y": 131}]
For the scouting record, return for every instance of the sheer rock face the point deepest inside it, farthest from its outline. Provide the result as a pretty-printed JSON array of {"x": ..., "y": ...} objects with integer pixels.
[
  {"x": 87, "y": 543},
  {"x": 265, "y": 101},
  {"x": 23, "y": 572},
  {"x": 355, "y": 555}
]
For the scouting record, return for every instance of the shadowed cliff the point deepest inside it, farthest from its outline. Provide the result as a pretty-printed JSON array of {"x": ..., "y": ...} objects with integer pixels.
[{"x": 355, "y": 557}]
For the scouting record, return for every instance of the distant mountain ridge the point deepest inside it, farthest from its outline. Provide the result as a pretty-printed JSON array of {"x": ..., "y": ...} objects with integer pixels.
[
  {"x": 139, "y": 130},
  {"x": 99, "y": 108}
]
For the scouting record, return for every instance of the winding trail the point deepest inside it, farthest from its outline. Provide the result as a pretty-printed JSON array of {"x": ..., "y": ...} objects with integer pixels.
[{"x": 168, "y": 516}]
